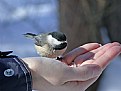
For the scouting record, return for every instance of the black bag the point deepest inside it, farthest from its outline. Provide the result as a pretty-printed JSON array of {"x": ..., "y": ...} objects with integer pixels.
[{"x": 14, "y": 74}]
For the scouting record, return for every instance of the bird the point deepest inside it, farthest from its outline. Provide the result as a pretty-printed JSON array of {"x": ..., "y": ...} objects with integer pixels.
[{"x": 51, "y": 45}]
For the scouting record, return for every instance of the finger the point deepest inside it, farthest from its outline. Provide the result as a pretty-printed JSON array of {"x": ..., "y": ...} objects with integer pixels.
[
  {"x": 69, "y": 57},
  {"x": 82, "y": 58},
  {"x": 94, "y": 53},
  {"x": 106, "y": 57},
  {"x": 83, "y": 73},
  {"x": 105, "y": 48},
  {"x": 85, "y": 57}
]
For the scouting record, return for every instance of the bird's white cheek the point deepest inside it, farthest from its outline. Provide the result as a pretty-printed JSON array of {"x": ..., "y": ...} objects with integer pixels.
[{"x": 53, "y": 41}]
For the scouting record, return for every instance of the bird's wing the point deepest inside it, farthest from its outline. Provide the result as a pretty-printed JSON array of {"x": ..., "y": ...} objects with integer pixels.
[{"x": 40, "y": 40}]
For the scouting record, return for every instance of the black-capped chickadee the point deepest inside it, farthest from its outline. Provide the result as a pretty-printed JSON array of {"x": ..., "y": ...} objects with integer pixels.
[{"x": 49, "y": 45}]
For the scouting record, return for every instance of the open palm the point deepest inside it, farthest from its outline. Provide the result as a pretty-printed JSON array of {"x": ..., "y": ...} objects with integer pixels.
[{"x": 90, "y": 60}]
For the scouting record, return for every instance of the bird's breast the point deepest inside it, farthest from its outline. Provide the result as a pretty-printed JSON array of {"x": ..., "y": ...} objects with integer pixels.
[{"x": 46, "y": 51}]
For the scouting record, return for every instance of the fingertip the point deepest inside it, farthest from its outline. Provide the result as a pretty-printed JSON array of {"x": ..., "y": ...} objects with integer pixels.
[
  {"x": 91, "y": 44},
  {"x": 116, "y": 43}
]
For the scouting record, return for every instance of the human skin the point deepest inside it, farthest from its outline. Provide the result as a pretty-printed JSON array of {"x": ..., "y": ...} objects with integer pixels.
[{"x": 76, "y": 72}]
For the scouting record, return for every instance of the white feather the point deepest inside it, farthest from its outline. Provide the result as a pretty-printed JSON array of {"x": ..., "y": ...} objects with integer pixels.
[{"x": 53, "y": 41}]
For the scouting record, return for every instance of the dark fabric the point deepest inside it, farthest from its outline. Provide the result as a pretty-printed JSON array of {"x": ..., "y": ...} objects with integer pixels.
[{"x": 14, "y": 74}]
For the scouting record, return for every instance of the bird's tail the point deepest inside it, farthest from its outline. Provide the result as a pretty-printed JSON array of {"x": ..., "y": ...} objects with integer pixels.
[{"x": 30, "y": 35}]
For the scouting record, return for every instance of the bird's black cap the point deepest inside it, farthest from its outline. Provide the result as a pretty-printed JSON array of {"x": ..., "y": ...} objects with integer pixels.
[{"x": 58, "y": 35}]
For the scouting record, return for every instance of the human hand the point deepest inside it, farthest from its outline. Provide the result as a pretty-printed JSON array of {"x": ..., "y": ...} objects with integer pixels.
[{"x": 53, "y": 75}]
